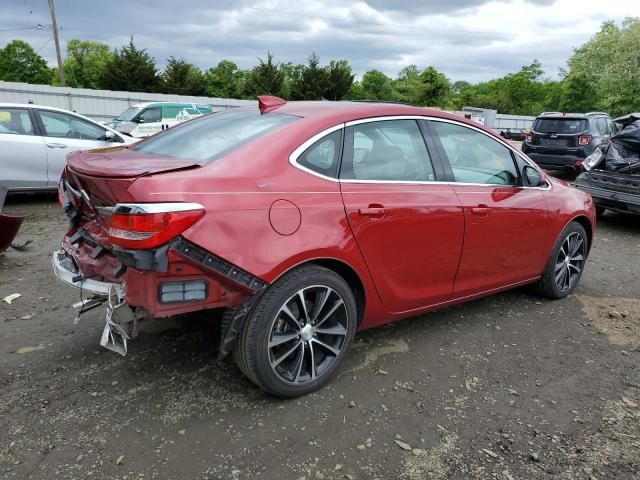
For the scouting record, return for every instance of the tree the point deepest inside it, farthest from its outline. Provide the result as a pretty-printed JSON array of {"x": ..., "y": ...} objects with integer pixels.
[
  {"x": 130, "y": 69},
  {"x": 266, "y": 78},
  {"x": 339, "y": 79},
  {"x": 606, "y": 69},
  {"x": 225, "y": 80},
  {"x": 312, "y": 82},
  {"x": 376, "y": 86},
  {"x": 182, "y": 78},
  {"x": 435, "y": 88},
  {"x": 19, "y": 62},
  {"x": 86, "y": 63}
]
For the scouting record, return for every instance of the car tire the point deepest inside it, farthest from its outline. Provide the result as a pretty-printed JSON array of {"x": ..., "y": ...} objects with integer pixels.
[
  {"x": 290, "y": 350},
  {"x": 563, "y": 271}
]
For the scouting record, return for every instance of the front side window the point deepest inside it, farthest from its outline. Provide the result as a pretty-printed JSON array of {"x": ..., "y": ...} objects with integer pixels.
[
  {"x": 323, "y": 156},
  {"x": 15, "y": 121},
  {"x": 151, "y": 115},
  {"x": 61, "y": 125},
  {"x": 207, "y": 138},
  {"x": 475, "y": 157},
  {"x": 389, "y": 150},
  {"x": 129, "y": 114}
]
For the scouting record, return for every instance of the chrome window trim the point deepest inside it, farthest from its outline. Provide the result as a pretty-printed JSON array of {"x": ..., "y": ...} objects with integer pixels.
[{"x": 293, "y": 157}]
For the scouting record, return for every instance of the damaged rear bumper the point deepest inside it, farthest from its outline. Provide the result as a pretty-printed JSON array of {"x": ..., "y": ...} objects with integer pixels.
[{"x": 65, "y": 270}]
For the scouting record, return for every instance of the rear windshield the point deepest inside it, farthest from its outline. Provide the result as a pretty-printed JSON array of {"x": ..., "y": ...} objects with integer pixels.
[
  {"x": 564, "y": 126},
  {"x": 207, "y": 138}
]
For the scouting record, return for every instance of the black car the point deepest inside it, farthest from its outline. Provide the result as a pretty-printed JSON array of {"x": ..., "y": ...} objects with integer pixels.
[{"x": 561, "y": 141}]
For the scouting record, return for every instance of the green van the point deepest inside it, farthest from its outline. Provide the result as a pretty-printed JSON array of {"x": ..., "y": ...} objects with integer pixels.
[{"x": 145, "y": 119}]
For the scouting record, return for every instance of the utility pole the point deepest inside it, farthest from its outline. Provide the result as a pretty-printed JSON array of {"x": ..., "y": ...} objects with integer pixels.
[{"x": 54, "y": 25}]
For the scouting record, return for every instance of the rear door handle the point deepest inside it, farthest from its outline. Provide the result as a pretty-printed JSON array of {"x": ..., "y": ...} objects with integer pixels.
[
  {"x": 57, "y": 145},
  {"x": 481, "y": 210},
  {"x": 373, "y": 210}
]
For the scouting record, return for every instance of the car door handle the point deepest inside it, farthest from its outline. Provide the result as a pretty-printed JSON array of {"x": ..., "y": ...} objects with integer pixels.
[
  {"x": 374, "y": 210},
  {"x": 481, "y": 210},
  {"x": 57, "y": 145}
]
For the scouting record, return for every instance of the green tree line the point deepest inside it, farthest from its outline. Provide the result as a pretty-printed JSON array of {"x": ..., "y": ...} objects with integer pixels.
[{"x": 601, "y": 74}]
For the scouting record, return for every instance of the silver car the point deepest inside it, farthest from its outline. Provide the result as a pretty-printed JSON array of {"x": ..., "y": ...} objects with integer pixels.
[{"x": 34, "y": 141}]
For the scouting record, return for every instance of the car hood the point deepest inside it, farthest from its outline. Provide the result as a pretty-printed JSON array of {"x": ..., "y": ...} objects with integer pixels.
[{"x": 120, "y": 162}]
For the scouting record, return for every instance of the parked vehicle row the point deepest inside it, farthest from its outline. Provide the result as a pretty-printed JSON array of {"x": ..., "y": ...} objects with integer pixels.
[{"x": 307, "y": 221}]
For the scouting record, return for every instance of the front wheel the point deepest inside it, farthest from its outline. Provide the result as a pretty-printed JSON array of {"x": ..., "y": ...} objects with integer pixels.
[
  {"x": 298, "y": 332},
  {"x": 566, "y": 263}
]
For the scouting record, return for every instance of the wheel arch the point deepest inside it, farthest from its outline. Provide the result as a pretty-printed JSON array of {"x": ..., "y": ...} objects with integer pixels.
[
  {"x": 588, "y": 226},
  {"x": 346, "y": 272}
]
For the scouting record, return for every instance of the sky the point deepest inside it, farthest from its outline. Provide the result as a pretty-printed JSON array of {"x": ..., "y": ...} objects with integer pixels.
[{"x": 473, "y": 40}]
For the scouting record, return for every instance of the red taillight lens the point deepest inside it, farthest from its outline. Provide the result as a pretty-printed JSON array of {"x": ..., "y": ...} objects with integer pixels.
[
  {"x": 528, "y": 138},
  {"x": 584, "y": 140},
  {"x": 143, "y": 230}
]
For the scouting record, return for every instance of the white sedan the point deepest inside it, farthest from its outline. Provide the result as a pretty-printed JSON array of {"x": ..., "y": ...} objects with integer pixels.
[{"x": 34, "y": 141}]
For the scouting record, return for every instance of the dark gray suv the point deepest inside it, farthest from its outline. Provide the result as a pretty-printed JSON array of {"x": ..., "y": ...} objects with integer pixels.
[{"x": 561, "y": 141}]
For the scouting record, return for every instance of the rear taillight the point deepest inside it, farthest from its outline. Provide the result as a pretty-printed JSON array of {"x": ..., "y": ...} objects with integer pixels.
[
  {"x": 149, "y": 225},
  {"x": 584, "y": 140},
  {"x": 528, "y": 138}
]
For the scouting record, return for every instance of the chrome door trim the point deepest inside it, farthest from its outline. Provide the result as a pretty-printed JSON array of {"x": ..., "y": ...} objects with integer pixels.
[{"x": 293, "y": 157}]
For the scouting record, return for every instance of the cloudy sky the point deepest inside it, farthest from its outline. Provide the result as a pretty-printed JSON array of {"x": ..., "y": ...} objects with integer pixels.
[{"x": 470, "y": 40}]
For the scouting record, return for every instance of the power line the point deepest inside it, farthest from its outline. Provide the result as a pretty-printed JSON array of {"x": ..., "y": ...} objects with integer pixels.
[
  {"x": 410, "y": 27},
  {"x": 45, "y": 44},
  {"x": 37, "y": 27}
]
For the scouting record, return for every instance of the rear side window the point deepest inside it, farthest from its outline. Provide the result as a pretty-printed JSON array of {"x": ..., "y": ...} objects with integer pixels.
[
  {"x": 323, "y": 156},
  {"x": 388, "y": 150},
  {"x": 562, "y": 126},
  {"x": 207, "y": 138},
  {"x": 15, "y": 121}
]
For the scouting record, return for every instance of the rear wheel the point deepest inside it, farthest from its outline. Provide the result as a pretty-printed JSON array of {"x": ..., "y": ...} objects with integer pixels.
[
  {"x": 565, "y": 265},
  {"x": 298, "y": 332}
]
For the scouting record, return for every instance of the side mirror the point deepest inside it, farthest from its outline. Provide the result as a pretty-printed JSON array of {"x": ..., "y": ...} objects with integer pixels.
[
  {"x": 140, "y": 119},
  {"x": 532, "y": 177}
]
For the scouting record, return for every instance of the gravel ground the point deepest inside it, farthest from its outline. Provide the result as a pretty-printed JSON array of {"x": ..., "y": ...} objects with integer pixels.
[{"x": 508, "y": 387}]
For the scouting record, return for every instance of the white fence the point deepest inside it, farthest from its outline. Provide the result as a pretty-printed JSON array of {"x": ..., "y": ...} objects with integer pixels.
[{"x": 99, "y": 104}]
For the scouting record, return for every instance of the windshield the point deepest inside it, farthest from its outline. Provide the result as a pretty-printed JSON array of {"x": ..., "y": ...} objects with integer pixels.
[
  {"x": 208, "y": 138},
  {"x": 128, "y": 114},
  {"x": 563, "y": 126}
]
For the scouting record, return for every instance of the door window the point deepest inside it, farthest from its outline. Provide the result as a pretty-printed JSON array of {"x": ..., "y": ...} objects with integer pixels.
[
  {"x": 324, "y": 155},
  {"x": 389, "y": 150},
  {"x": 62, "y": 125},
  {"x": 475, "y": 157},
  {"x": 603, "y": 128},
  {"x": 15, "y": 121},
  {"x": 151, "y": 115}
]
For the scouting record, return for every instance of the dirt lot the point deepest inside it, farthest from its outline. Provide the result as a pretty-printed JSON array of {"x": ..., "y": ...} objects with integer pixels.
[{"x": 508, "y": 387}]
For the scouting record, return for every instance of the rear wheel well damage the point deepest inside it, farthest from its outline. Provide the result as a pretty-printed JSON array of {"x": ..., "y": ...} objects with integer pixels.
[{"x": 233, "y": 318}]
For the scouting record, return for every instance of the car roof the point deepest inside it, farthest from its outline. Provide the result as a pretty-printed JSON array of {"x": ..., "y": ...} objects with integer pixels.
[
  {"x": 172, "y": 104},
  {"x": 568, "y": 116},
  {"x": 345, "y": 111}
]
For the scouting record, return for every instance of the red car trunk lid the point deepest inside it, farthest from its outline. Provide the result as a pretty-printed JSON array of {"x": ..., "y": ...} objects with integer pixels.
[{"x": 120, "y": 162}]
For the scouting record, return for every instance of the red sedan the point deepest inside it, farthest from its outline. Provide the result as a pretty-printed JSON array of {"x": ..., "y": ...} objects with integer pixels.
[{"x": 307, "y": 221}]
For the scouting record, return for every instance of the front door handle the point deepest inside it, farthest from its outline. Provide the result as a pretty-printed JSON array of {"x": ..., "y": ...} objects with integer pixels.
[
  {"x": 373, "y": 210},
  {"x": 481, "y": 210},
  {"x": 57, "y": 145}
]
